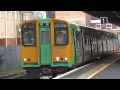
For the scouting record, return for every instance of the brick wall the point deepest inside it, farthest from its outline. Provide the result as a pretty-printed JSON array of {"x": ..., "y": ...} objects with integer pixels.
[
  {"x": 50, "y": 14},
  {"x": 73, "y": 16},
  {"x": 88, "y": 19},
  {"x": 103, "y": 26},
  {"x": 9, "y": 26},
  {"x": 2, "y": 42},
  {"x": 11, "y": 41}
]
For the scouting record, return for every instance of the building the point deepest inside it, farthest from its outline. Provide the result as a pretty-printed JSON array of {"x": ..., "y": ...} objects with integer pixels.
[
  {"x": 9, "y": 26},
  {"x": 78, "y": 17},
  {"x": 81, "y": 18},
  {"x": 10, "y": 21},
  {"x": 50, "y": 14},
  {"x": 96, "y": 23}
]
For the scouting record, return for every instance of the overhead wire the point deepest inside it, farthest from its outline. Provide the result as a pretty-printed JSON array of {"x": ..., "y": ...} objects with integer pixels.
[{"x": 116, "y": 14}]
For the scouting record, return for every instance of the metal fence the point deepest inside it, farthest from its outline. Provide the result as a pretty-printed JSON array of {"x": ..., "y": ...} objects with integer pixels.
[{"x": 11, "y": 56}]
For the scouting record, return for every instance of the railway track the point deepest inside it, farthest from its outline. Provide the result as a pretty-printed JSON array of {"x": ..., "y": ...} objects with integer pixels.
[{"x": 14, "y": 76}]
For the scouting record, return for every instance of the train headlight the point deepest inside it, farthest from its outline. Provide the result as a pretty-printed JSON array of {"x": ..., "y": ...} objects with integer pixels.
[
  {"x": 25, "y": 59},
  {"x": 57, "y": 58},
  {"x": 66, "y": 58}
]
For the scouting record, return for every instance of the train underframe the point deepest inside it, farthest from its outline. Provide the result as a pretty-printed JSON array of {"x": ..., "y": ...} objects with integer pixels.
[{"x": 36, "y": 73}]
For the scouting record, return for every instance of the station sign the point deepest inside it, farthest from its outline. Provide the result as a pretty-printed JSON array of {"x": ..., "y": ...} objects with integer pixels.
[{"x": 103, "y": 20}]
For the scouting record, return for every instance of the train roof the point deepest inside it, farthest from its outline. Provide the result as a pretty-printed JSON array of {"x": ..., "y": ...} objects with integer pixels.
[{"x": 104, "y": 30}]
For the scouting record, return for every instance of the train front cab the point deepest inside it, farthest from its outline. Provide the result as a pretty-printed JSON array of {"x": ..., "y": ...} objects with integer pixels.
[
  {"x": 29, "y": 47},
  {"x": 29, "y": 44},
  {"x": 62, "y": 48},
  {"x": 46, "y": 46}
]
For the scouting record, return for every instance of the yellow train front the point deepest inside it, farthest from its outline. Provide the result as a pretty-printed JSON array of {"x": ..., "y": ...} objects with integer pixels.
[
  {"x": 46, "y": 48},
  {"x": 52, "y": 46}
]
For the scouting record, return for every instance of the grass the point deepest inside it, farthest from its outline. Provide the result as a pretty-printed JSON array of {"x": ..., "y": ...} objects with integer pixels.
[{"x": 9, "y": 72}]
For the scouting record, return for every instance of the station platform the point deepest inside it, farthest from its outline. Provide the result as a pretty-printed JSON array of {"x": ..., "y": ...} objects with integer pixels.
[{"x": 105, "y": 68}]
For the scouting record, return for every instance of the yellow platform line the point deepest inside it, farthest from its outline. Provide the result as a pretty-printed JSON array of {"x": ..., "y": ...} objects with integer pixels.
[{"x": 101, "y": 69}]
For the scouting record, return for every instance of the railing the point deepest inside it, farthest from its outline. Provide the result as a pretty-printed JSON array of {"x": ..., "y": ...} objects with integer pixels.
[{"x": 11, "y": 59}]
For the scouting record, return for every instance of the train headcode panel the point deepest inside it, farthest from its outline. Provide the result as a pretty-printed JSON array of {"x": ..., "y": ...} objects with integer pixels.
[{"x": 44, "y": 24}]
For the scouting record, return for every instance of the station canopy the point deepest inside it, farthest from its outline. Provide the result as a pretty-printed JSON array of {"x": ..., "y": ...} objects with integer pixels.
[{"x": 113, "y": 16}]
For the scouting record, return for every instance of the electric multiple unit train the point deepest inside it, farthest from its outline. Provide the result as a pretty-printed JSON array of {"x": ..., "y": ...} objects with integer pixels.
[{"x": 52, "y": 46}]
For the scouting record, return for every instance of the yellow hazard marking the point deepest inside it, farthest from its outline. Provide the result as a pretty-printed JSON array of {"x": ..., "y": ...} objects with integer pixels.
[{"x": 101, "y": 69}]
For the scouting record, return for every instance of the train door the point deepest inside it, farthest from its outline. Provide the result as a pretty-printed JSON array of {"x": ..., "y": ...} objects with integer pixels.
[
  {"x": 45, "y": 46},
  {"x": 73, "y": 41},
  {"x": 99, "y": 44},
  {"x": 104, "y": 44},
  {"x": 108, "y": 43},
  {"x": 79, "y": 46},
  {"x": 112, "y": 43},
  {"x": 86, "y": 44},
  {"x": 117, "y": 43},
  {"x": 93, "y": 44},
  {"x": 118, "y": 39}
]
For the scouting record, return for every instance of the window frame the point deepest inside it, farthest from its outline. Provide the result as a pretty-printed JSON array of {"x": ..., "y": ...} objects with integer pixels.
[
  {"x": 22, "y": 30},
  {"x": 67, "y": 33},
  {"x": 97, "y": 27},
  {"x": 108, "y": 27}
]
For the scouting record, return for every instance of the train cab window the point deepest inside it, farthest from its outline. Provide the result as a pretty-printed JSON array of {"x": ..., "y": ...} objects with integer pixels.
[
  {"x": 61, "y": 33},
  {"x": 28, "y": 34}
]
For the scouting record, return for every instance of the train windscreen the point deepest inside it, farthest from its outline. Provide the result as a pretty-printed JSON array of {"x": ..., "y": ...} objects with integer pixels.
[
  {"x": 61, "y": 33},
  {"x": 28, "y": 34}
]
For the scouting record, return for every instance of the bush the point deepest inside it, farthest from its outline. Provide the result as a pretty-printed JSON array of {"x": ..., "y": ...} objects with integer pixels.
[{"x": 1, "y": 57}]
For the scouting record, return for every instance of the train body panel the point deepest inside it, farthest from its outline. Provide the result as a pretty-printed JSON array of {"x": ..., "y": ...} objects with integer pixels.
[
  {"x": 29, "y": 48},
  {"x": 78, "y": 54},
  {"x": 62, "y": 51},
  {"x": 94, "y": 49}
]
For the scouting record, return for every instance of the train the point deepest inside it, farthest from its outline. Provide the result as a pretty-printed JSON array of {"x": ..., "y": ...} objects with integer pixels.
[{"x": 52, "y": 46}]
